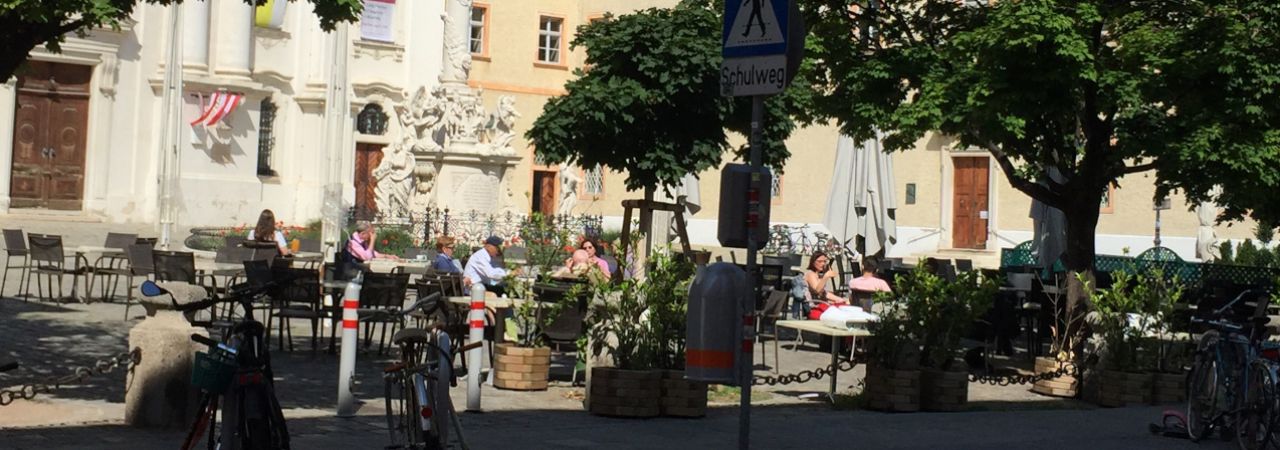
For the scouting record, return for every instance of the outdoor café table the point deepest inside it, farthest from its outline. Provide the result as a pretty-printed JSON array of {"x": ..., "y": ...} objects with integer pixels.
[
  {"x": 836, "y": 334},
  {"x": 83, "y": 267}
]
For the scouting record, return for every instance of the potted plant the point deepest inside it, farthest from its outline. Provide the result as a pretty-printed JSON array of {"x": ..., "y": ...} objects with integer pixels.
[
  {"x": 525, "y": 363},
  {"x": 639, "y": 327},
  {"x": 941, "y": 314},
  {"x": 893, "y": 368},
  {"x": 1172, "y": 354},
  {"x": 1066, "y": 340},
  {"x": 1121, "y": 320}
]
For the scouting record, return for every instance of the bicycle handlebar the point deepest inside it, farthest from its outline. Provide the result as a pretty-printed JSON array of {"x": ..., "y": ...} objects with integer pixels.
[{"x": 417, "y": 305}]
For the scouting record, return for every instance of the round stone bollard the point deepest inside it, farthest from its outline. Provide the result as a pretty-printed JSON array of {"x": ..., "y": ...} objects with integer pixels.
[{"x": 158, "y": 391}]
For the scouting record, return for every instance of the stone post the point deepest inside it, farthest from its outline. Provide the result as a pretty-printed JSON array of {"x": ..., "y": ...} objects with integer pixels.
[{"x": 158, "y": 391}]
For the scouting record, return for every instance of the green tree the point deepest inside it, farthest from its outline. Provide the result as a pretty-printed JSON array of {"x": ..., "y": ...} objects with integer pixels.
[
  {"x": 649, "y": 104},
  {"x": 1096, "y": 89},
  {"x": 25, "y": 24}
]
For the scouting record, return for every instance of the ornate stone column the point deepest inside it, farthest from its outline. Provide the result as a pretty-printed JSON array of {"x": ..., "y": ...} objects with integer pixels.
[
  {"x": 457, "y": 52},
  {"x": 195, "y": 35},
  {"x": 234, "y": 39}
]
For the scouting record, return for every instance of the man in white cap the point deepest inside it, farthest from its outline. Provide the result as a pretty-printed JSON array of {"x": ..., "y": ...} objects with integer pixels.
[{"x": 484, "y": 268}]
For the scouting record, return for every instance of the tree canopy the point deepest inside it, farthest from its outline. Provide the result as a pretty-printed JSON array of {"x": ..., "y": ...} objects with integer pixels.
[
  {"x": 1094, "y": 88},
  {"x": 25, "y": 24},
  {"x": 649, "y": 104}
]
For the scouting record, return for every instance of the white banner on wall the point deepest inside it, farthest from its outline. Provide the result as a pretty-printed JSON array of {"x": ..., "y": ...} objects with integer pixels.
[{"x": 376, "y": 20}]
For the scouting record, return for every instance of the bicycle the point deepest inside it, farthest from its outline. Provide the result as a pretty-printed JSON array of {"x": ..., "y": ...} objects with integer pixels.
[
  {"x": 416, "y": 388},
  {"x": 1230, "y": 385},
  {"x": 236, "y": 375}
]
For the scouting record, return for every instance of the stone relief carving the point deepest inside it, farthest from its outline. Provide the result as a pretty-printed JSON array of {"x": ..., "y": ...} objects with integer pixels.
[
  {"x": 395, "y": 180},
  {"x": 569, "y": 181},
  {"x": 501, "y": 128},
  {"x": 420, "y": 119}
]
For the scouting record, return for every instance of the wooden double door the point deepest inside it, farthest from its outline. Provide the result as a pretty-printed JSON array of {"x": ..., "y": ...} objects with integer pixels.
[
  {"x": 49, "y": 136},
  {"x": 970, "y": 202},
  {"x": 368, "y": 157}
]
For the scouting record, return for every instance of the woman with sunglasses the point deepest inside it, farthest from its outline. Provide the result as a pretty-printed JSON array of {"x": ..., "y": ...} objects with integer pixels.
[{"x": 817, "y": 277}]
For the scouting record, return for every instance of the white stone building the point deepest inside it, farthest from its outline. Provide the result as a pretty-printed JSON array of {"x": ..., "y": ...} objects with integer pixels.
[{"x": 87, "y": 122}]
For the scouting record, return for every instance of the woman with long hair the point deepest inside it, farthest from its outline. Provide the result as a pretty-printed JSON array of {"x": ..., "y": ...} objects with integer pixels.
[
  {"x": 266, "y": 231},
  {"x": 592, "y": 247},
  {"x": 816, "y": 278}
]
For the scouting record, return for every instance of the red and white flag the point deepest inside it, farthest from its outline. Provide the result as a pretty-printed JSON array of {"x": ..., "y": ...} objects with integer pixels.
[{"x": 220, "y": 104}]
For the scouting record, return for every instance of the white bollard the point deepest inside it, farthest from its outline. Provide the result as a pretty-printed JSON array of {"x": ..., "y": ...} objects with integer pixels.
[
  {"x": 347, "y": 364},
  {"x": 475, "y": 357}
]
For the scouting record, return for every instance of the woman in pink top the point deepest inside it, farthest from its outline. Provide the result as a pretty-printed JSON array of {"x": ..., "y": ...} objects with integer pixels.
[{"x": 592, "y": 248}]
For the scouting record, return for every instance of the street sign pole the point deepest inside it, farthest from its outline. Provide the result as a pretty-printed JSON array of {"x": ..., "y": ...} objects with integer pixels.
[{"x": 745, "y": 362}]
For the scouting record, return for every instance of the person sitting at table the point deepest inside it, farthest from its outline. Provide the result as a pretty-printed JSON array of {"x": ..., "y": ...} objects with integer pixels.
[
  {"x": 592, "y": 248},
  {"x": 359, "y": 251},
  {"x": 581, "y": 267},
  {"x": 444, "y": 256},
  {"x": 484, "y": 268},
  {"x": 818, "y": 275},
  {"x": 266, "y": 232},
  {"x": 868, "y": 281}
]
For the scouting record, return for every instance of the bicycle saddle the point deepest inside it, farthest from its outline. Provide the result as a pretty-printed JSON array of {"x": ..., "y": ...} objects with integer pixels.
[{"x": 412, "y": 336}]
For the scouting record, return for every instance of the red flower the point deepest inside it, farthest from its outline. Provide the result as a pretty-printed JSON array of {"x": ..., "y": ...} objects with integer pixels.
[{"x": 384, "y": 242}]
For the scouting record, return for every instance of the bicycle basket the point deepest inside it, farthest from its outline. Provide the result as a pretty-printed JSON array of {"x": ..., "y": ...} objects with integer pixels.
[{"x": 213, "y": 372}]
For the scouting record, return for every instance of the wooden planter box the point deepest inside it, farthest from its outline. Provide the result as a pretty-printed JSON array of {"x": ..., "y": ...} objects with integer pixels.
[
  {"x": 625, "y": 393},
  {"x": 1117, "y": 388},
  {"x": 892, "y": 390},
  {"x": 943, "y": 390},
  {"x": 1063, "y": 386},
  {"x": 1169, "y": 388},
  {"x": 681, "y": 397},
  {"x": 520, "y": 368}
]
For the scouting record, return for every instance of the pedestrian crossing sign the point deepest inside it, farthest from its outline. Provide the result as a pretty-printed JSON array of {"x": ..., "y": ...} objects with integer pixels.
[{"x": 755, "y": 28}]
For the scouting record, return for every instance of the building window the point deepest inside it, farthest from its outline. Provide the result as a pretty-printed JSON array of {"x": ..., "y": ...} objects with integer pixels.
[
  {"x": 479, "y": 41},
  {"x": 266, "y": 136},
  {"x": 911, "y": 193},
  {"x": 594, "y": 181},
  {"x": 775, "y": 186},
  {"x": 1108, "y": 205},
  {"x": 549, "y": 39},
  {"x": 372, "y": 120}
]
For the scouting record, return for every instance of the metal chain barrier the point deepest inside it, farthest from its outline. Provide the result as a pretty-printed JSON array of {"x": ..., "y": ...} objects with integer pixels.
[
  {"x": 1064, "y": 368},
  {"x": 804, "y": 375},
  {"x": 78, "y": 375}
]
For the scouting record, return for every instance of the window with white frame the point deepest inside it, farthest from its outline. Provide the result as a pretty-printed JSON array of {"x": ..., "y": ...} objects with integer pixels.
[
  {"x": 266, "y": 136},
  {"x": 479, "y": 33},
  {"x": 594, "y": 180},
  {"x": 775, "y": 187},
  {"x": 549, "y": 39}
]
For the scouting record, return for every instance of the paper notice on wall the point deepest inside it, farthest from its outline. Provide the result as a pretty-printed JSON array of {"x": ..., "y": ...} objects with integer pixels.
[{"x": 376, "y": 20}]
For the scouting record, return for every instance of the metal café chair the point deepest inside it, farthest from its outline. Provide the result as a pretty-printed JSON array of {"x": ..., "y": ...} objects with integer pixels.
[
  {"x": 15, "y": 246},
  {"x": 381, "y": 293},
  {"x": 49, "y": 259},
  {"x": 766, "y": 325},
  {"x": 141, "y": 264},
  {"x": 111, "y": 264},
  {"x": 296, "y": 295}
]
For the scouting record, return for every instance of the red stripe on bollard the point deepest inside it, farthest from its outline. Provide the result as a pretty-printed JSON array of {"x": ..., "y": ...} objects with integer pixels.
[
  {"x": 477, "y": 305},
  {"x": 349, "y": 324},
  {"x": 349, "y": 303},
  {"x": 477, "y": 324}
]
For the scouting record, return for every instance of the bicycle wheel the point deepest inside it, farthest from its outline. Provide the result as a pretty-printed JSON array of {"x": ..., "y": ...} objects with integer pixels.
[
  {"x": 1253, "y": 422},
  {"x": 402, "y": 410},
  {"x": 1202, "y": 388}
]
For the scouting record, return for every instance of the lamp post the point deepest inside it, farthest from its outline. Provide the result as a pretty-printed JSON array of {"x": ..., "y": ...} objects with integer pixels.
[
  {"x": 1160, "y": 205},
  {"x": 172, "y": 121},
  {"x": 336, "y": 111}
]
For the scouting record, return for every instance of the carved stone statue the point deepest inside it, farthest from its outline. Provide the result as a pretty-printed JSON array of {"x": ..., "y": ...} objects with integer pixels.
[
  {"x": 395, "y": 180},
  {"x": 1206, "y": 237},
  {"x": 502, "y": 126},
  {"x": 569, "y": 182},
  {"x": 420, "y": 119}
]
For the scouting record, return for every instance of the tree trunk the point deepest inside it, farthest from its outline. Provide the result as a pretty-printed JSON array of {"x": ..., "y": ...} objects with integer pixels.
[{"x": 1082, "y": 222}]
